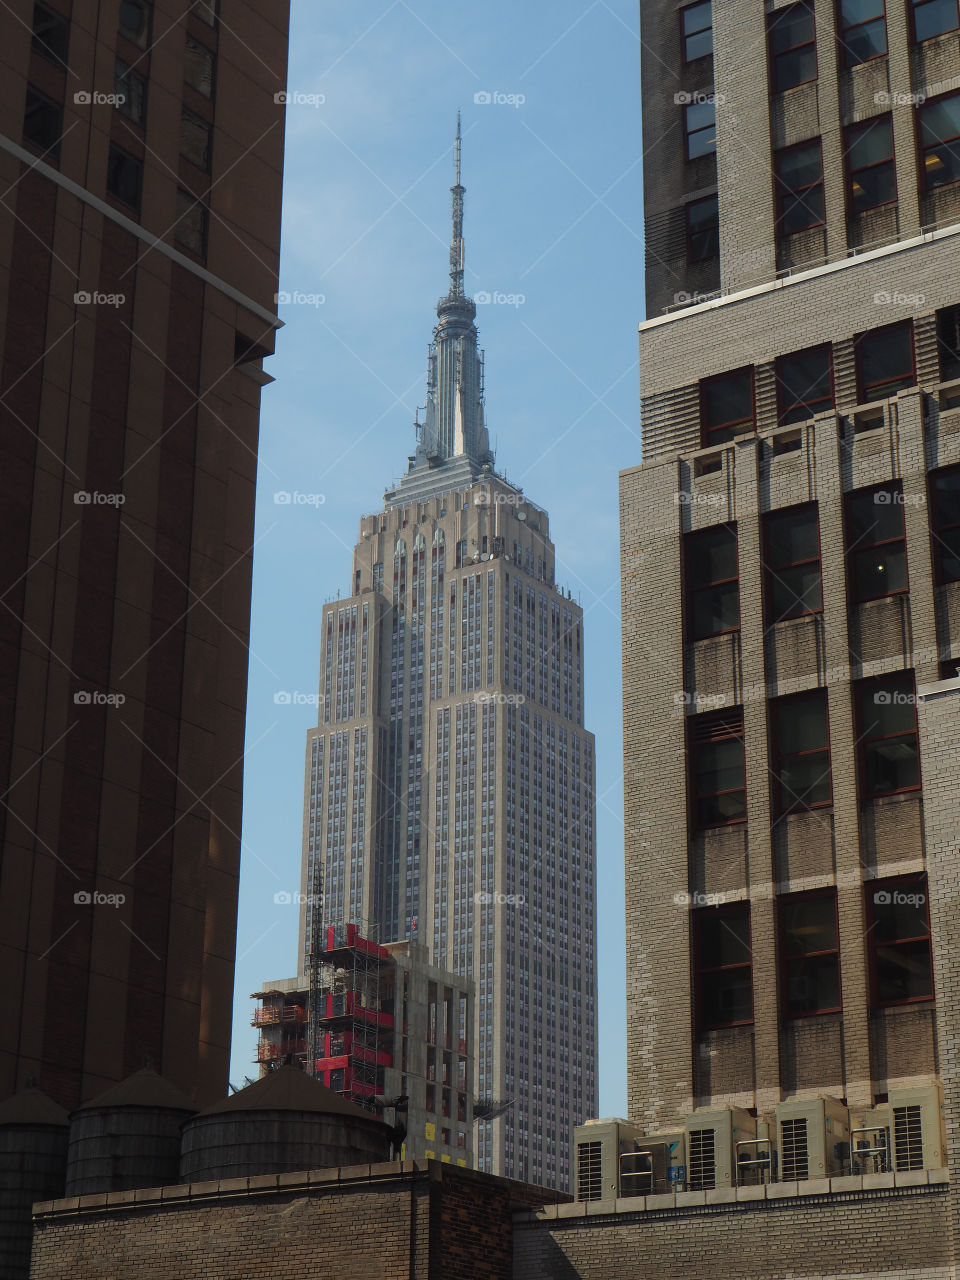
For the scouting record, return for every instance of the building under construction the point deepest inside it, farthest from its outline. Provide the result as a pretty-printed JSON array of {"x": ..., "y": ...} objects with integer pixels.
[{"x": 387, "y": 1030}]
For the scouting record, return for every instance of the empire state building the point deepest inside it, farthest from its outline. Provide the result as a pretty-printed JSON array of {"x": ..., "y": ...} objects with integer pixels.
[{"x": 450, "y": 784}]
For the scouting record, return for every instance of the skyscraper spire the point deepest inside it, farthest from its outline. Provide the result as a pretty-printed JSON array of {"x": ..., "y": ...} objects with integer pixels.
[{"x": 456, "y": 244}]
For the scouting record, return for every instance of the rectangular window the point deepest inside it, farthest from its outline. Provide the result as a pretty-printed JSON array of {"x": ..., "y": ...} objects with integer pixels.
[
  {"x": 792, "y": 547},
  {"x": 862, "y": 31},
  {"x": 696, "y": 29},
  {"x": 700, "y": 128},
  {"x": 934, "y": 18},
  {"x": 726, "y": 407},
  {"x": 712, "y": 580},
  {"x": 871, "y": 177},
  {"x": 793, "y": 46},
  {"x": 190, "y": 231},
  {"x": 948, "y": 342},
  {"x": 940, "y": 140},
  {"x": 131, "y": 90},
  {"x": 135, "y": 21},
  {"x": 43, "y": 123},
  {"x": 195, "y": 139},
  {"x": 718, "y": 779},
  {"x": 723, "y": 966},
  {"x": 885, "y": 361},
  {"x": 901, "y": 969},
  {"x": 945, "y": 523},
  {"x": 809, "y": 953},
  {"x": 876, "y": 542},
  {"x": 206, "y": 11},
  {"x": 887, "y": 735},
  {"x": 799, "y": 182},
  {"x": 703, "y": 230},
  {"x": 198, "y": 67},
  {"x": 51, "y": 34},
  {"x": 124, "y": 176},
  {"x": 804, "y": 384},
  {"x": 801, "y": 742}
]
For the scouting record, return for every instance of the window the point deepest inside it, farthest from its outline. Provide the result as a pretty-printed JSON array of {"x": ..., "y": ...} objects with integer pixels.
[
  {"x": 948, "y": 342},
  {"x": 901, "y": 969},
  {"x": 862, "y": 31},
  {"x": 723, "y": 966},
  {"x": 884, "y": 361},
  {"x": 792, "y": 538},
  {"x": 703, "y": 230},
  {"x": 198, "y": 67},
  {"x": 700, "y": 128},
  {"x": 712, "y": 578},
  {"x": 190, "y": 231},
  {"x": 934, "y": 17},
  {"x": 718, "y": 778},
  {"x": 124, "y": 175},
  {"x": 809, "y": 954},
  {"x": 696, "y": 28},
  {"x": 799, "y": 180},
  {"x": 876, "y": 542},
  {"x": 726, "y": 406},
  {"x": 195, "y": 139},
  {"x": 51, "y": 34},
  {"x": 945, "y": 523},
  {"x": 793, "y": 46},
  {"x": 131, "y": 90},
  {"x": 887, "y": 734},
  {"x": 206, "y": 11},
  {"x": 43, "y": 123},
  {"x": 804, "y": 384},
  {"x": 135, "y": 21},
  {"x": 801, "y": 740},
  {"x": 940, "y": 140},
  {"x": 871, "y": 177}
]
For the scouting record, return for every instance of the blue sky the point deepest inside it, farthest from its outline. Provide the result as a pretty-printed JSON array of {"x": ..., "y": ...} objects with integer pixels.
[{"x": 553, "y": 217}]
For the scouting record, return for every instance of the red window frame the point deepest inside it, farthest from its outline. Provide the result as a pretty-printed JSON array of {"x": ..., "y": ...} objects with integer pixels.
[
  {"x": 780, "y": 707},
  {"x": 908, "y": 681},
  {"x": 704, "y": 730},
  {"x": 892, "y": 884},
  {"x": 692, "y": 204},
  {"x": 787, "y": 1013},
  {"x": 827, "y": 402},
  {"x": 688, "y": 133},
  {"x": 689, "y": 550},
  {"x": 922, "y": 149},
  {"x": 772, "y": 56},
  {"x": 914, "y": 6},
  {"x": 938, "y": 526},
  {"x": 843, "y": 28},
  {"x": 707, "y": 431},
  {"x": 864, "y": 126},
  {"x": 771, "y": 569},
  {"x": 855, "y": 495},
  {"x": 876, "y": 388},
  {"x": 781, "y": 189},
  {"x": 683, "y": 34},
  {"x": 697, "y": 919}
]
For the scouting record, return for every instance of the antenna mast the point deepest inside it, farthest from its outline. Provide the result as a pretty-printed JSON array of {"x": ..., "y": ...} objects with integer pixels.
[{"x": 456, "y": 247}]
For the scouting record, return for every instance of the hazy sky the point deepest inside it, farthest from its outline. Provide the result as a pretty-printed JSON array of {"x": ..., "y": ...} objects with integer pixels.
[{"x": 554, "y": 231}]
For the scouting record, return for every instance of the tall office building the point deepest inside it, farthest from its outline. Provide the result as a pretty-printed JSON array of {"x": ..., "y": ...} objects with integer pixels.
[
  {"x": 791, "y": 561},
  {"x": 141, "y": 155},
  {"x": 450, "y": 779}
]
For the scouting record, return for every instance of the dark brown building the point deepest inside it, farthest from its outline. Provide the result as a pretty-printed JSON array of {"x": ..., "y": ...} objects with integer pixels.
[{"x": 141, "y": 149}]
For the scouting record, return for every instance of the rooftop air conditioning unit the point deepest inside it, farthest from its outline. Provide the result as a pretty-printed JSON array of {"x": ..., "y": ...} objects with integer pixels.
[
  {"x": 917, "y": 1130},
  {"x": 712, "y": 1138},
  {"x": 870, "y": 1147},
  {"x": 598, "y": 1146},
  {"x": 813, "y": 1138},
  {"x": 656, "y": 1166}
]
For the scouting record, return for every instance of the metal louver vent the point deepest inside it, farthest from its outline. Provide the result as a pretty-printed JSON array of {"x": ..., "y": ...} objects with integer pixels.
[
  {"x": 703, "y": 1161},
  {"x": 907, "y": 1138},
  {"x": 794, "y": 1161},
  {"x": 589, "y": 1176}
]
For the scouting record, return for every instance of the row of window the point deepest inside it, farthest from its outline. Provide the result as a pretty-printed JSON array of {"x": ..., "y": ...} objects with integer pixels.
[
  {"x": 887, "y": 751},
  {"x": 897, "y": 939}
]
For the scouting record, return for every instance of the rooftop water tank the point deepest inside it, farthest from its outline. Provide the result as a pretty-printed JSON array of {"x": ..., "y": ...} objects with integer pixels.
[{"x": 33, "y": 1162}]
